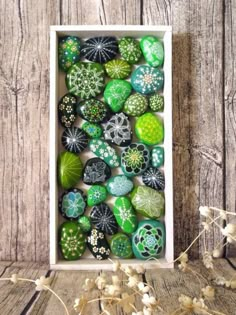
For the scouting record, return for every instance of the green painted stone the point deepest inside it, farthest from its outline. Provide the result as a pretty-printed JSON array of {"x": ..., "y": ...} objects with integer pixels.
[
  {"x": 156, "y": 103},
  {"x": 96, "y": 195},
  {"x": 92, "y": 130},
  {"x": 69, "y": 169},
  {"x": 67, "y": 110},
  {"x": 153, "y": 50},
  {"x": 119, "y": 185},
  {"x": 149, "y": 239},
  {"x": 92, "y": 110},
  {"x": 116, "y": 93},
  {"x": 68, "y": 52},
  {"x": 85, "y": 79},
  {"x": 121, "y": 246},
  {"x": 72, "y": 241},
  {"x": 148, "y": 202},
  {"x": 125, "y": 214},
  {"x": 105, "y": 152},
  {"x": 72, "y": 203},
  {"x": 135, "y": 105},
  {"x": 157, "y": 156},
  {"x": 85, "y": 223},
  {"x": 149, "y": 129},
  {"x": 130, "y": 50},
  {"x": 118, "y": 69}
]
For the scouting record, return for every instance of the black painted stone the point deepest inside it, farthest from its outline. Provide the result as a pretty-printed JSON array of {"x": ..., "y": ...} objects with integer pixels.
[
  {"x": 74, "y": 139},
  {"x": 154, "y": 178},
  {"x": 96, "y": 171},
  {"x": 93, "y": 110},
  {"x": 98, "y": 245},
  {"x": 103, "y": 219},
  {"x": 67, "y": 110}
]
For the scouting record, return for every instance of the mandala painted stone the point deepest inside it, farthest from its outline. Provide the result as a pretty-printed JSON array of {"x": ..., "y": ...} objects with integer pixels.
[
  {"x": 96, "y": 195},
  {"x": 135, "y": 159},
  {"x": 105, "y": 152},
  {"x": 72, "y": 203},
  {"x": 148, "y": 202},
  {"x": 100, "y": 49},
  {"x": 74, "y": 139},
  {"x": 119, "y": 185},
  {"x": 149, "y": 129},
  {"x": 156, "y": 103},
  {"x": 121, "y": 246},
  {"x": 147, "y": 80},
  {"x": 85, "y": 79},
  {"x": 116, "y": 93},
  {"x": 98, "y": 245},
  {"x": 157, "y": 156},
  {"x": 68, "y": 52},
  {"x": 125, "y": 214},
  {"x": 149, "y": 239},
  {"x": 135, "y": 105},
  {"x": 96, "y": 171},
  {"x": 103, "y": 219},
  {"x": 130, "y": 50},
  {"x": 92, "y": 130},
  {"x": 153, "y": 50},
  {"x": 118, "y": 69},
  {"x": 85, "y": 223},
  {"x": 154, "y": 178},
  {"x": 69, "y": 168},
  {"x": 118, "y": 130},
  {"x": 67, "y": 110},
  {"x": 93, "y": 110},
  {"x": 71, "y": 240}
]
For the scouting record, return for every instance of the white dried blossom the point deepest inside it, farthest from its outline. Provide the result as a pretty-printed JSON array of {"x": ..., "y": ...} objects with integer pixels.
[
  {"x": 206, "y": 226},
  {"x": 147, "y": 311},
  {"x": 208, "y": 260},
  {"x": 140, "y": 269},
  {"x": 230, "y": 239},
  {"x": 80, "y": 304},
  {"x": 116, "y": 265},
  {"x": 183, "y": 266},
  {"x": 183, "y": 257},
  {"x": 233, "y": 284},
  {"x": 133, "y": 281},
  {"x": 89, "y": 284},
  {"x": 42, "y": 283},
  {"x": 149, "y": 301},
  {"x": 112, "y": 290},
  {"x": 205, "y": 211},
  {"x": 199, "y": 303},
  {"x": 216, "y": 253},
  {"x": 208, "y": 292},
  {"x": 101, "y": 282},
  {"x": 129, "y": 271},
  {"x": 185, "y": 301},
  {"x": 223, "y": 215},
  {"x": 143, "y": 288},
  {"x": 219, "y": 280},
  {"x": 14, "y": 278}
]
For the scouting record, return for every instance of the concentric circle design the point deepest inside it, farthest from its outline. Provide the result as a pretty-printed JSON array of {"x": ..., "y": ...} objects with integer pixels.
[
  {"x": 154, "y": 178},
  {"x": 74, "y": 139}
]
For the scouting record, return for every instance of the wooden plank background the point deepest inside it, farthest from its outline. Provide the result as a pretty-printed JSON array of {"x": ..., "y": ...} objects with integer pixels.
[{"x": 204, "y": 86}]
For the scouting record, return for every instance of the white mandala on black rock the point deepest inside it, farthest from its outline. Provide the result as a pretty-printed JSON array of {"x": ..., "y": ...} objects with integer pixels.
[
  {"x": 103, "y": 219},
  {"x": 153, "y": 178},
  {"x": 74, "y": 139}
]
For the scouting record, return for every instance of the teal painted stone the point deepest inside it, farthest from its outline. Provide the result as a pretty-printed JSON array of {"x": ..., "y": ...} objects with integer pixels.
[
  {"x": 121, "y": 246},
  {"x": 96, "y": 195},
  {"x": 92, "y": 110},
  {"x": 156, "y": 103},
  {"x": 153, "y": 50},
  {"x": 68, "y": 52},
  {"x": 116, "y": 93},
  {"x": 130, "y": 50},
  {"x": 125, "y": 214},
  {"x": 148, "y": 202},
  {"x": 147, "y": 80},
  {"x": 105, "y": 152},
  {"x": 118, "y": 69},
  {"x": 72, "y": 203},
  {"x": 93, "y": 130},
  {"x": 149, "y": 239},
  {"x": 135, "y": 105},
  {"x": 157, "y": 156},
  {"x": 67, "y": 110},
  {"x": 119, "y": 185},
  {"x": 98, "y": 245},
  {"x": 72, "y": 241},
  {"x": 85, "y": 223}
]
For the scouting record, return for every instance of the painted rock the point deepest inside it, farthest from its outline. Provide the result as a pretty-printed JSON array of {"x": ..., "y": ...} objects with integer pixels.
[
  {"x": 118, "y": 130},
  {"x": 100, "y": 49},
  {"x": 157, "y": 156},
  {"x": 135, "y": 105},
  {"x": 119, "y": 185},
  {"x": 149, "y": 129},
  {"x": 96, "y": 171},
  {"x": 85, "y": 223},
  {"x": 72, "y": 203},
  {"x": 103, "y": 219},
  {"x": 125, "y": 214},
  {"x": 92, "y": 130},
  {"x": 135, "y": 159},
  {"x": 156, "y": 103},
  {"x": 72, "y": 241},
  {"x": 69, "y": 169},
  {"x": 153, "y": 50},
  {"x": 67, "y": 110},
  {"x": 68, "y": 52},
  {"x": 149, "y": 239},
  {"x": 147, "y": 80},
  {"x": 92, "y": 110},
  {"x": 130, "y": 50},
  {"x": 121, "y": 246},
  {"x": 149, "y": 202},
  {"x": 105, "y": 152},
  {"x": 116, "y": 93},
  {"x": 154, "y": 178},
  {"x": 96, "y": 195},
  {"x": 74, "y": 139},
  {"x": 85, "y": 79},
  {"x": 98, "y": 245},
  {"x": 118, "y": 69}
]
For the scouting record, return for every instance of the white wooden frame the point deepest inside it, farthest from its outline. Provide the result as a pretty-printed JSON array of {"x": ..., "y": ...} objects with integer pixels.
[{"x": 85, "y": 31}]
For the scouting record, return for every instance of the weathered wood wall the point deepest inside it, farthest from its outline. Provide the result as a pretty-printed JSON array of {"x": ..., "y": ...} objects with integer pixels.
[{"x": 204, "y": 88}]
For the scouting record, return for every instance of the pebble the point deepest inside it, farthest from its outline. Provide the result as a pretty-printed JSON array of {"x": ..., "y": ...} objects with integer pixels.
[
  {"x": 98, "y": 245},
  {"x": 85, "y": 223},
  {"x": 153, "y": 50},
  {"x": 154, "y": 178},
  {"x": 96, "y": 171},
  {"x": 157, "y": 156},
  {"x": 156, "y": 103},
  {"x": 119, "y": 185},
  {"x": 92, "y": 130},
  {"x": 93, "y": 110},
  {"x": 67, "y": 110},
  {"x": 68, "y": 52},
  {"x": 103, "y": 219},
  {"x": 130, "y": 50},
  {"x": 121, "y": 246},
  {"x": 118, "y": 69},
  {"x": 104, "y": 151},
  {"x": 74, "y": 139},
  {"x": 72, "y": 203},
  {"x": 135, "y": 105},
  {"x": 96, "y": 195}
]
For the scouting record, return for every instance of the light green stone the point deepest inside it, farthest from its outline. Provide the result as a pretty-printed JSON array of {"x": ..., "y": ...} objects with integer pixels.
[
  {"x": 135, "y": 105},
  {"x": 105, "y": 152},
  {"x": 96, "y": 195},
  {"x": 68, "y": 52},
  {"x": 93, "y": 130},
  {"x": 85, "y": 223},
  {"x": 119, "y": 185},
  {"x": 130, "y": 50},
  {"x": 153, "y": 50},
  {"x": 121, "y": 246},
  {"x": 125, "y": 214},
  {"x": 156, "y": 103},
  {"x": 118, "y": 69},
  {"x": 157, "y": 156}
]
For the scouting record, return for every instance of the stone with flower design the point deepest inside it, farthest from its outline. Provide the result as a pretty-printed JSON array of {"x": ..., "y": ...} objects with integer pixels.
[
  {"x": 154, "y": 178},
  {"x": 149, "y": 239},
  {"x": 96, "y": 195},
  {"x": 93, "y": 110},
  {"x": 157, "y": 156},
  {"x": 118, "y": 69},
  {"x": 135, "y": 159},
  {"x": 72, "y": 203},
  {"x": 98, "y": 245},
  {"x": 68, "y": 52},
  {"x": 125, "y": 214},
  {"x": 104, "y": 151},
  {"x": 74, "y": 139},
  {"x": 103, "y": 219},
  {"x": 130, "y": 50},
  {"x": 121, "y": 246},
  {"x": 96, "y": 171},
  {"x": 67, "y": 110},
  {"x": 153, "y": 50},
  {"x": 85, "y": 223},
  {"x": 72, "y": 241},
  {"x": 119, "y": 185},
  {"x": 135, "y": 105},
  {"x": 92, "y": 130}
]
